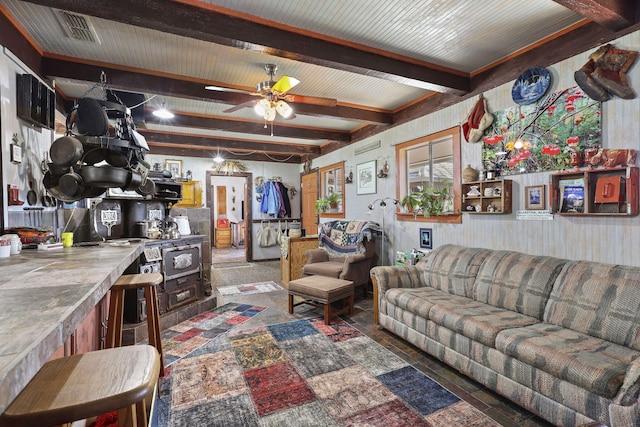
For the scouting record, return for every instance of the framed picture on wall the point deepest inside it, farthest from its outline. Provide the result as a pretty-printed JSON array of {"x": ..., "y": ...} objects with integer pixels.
[
  {"x": 426, "y": 240},
  {"x": 534, "y": 197},
  {"x": 175, "y": 167},
  {"x": 366, "y": 178}
]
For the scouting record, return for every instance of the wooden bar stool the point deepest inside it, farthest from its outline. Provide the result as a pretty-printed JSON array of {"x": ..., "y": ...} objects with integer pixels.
[
  {"x": 148, "y": 281},
  {"x": 87, "y": 385}
]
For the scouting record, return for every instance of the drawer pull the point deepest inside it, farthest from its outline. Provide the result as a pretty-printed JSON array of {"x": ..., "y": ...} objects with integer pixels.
[{"x": 182, "y": 281}]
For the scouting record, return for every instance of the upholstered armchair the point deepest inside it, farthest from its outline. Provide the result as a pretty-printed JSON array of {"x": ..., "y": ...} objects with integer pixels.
[{"x": 345, "y": 251}]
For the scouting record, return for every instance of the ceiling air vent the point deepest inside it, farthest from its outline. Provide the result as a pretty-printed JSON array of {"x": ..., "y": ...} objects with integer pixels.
[{"x": 77, "y": 27}]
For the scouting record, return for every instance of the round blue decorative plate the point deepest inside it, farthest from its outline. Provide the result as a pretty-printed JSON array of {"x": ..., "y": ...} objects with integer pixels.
[{"x": 531, "y": 86}]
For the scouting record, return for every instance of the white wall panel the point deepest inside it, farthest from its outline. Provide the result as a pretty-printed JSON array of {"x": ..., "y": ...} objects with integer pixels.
[{"x": 604, "y": 239}]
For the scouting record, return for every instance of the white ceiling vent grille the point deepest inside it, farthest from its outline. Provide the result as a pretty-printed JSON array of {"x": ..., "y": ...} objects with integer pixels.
[{"x": 77, "y": 27}]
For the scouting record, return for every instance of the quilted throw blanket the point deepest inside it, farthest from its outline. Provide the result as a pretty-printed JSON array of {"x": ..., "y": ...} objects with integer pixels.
[{"x": 342, "y": 238}]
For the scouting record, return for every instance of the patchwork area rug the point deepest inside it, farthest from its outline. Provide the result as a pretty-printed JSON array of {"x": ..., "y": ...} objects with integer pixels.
[
  {"x": 251, "y": 288},
  {"x": 181, "y": 339},
  {"x": 232, "y": 264},
  {"x": 304, "y": 373}
]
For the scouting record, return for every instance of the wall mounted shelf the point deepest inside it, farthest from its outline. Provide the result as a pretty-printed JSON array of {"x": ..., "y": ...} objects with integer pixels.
[
  {"x": 488, "y": 200},
  {"x": 595, "y": 192}
]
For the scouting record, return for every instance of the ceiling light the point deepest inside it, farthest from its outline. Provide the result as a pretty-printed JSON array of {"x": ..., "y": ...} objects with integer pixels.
[
  {"x": 270, "y": 114},
  {"x": 267, "y": 109},
  {"x": 163, "y": 113},
  {"x": 284, "y": 109},
  {"x": 261, "y": 107}
]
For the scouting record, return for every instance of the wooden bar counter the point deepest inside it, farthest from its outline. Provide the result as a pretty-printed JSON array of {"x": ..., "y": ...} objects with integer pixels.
[{"x": 44, "y": 296}]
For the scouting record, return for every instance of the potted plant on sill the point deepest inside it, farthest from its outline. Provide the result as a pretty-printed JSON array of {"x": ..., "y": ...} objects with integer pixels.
[
  {"x": 328, "y": 203},
  {"x": 333, "y": 200},
  {"x": 322, "y": 205},
  {"x": 431, "y": 201}
]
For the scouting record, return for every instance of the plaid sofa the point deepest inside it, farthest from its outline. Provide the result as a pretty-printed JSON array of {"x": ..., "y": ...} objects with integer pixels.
[{"x": 560, "y": 338}]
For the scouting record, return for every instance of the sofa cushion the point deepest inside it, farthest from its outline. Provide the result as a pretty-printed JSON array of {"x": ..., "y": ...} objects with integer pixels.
[
  {"x": 591, "y": 363},
  {"x": 517, "y": 281},
  {"x": 327, "y": 268},
  {"x": 478, "y": 321},
  {"x": 453, "y": 268},
  {"x": 601, "y": 300},
  {"x": 420, "y": 300}
]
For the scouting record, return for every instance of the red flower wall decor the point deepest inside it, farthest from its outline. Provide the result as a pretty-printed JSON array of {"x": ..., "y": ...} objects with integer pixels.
[{"x": 541, "y": 137}]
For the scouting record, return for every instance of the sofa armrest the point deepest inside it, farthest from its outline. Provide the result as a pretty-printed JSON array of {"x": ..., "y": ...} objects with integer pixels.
[
  {"x": 316, "y": 255},
  {"x": 628, "y": 393},
  {"x": 385, "y": 278}
]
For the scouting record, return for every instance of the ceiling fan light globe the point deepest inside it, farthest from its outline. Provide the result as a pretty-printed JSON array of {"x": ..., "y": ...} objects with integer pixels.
[
  {"x": 284, "y": 109},
  {"x": 261, "y": 107},
  {"x": 270, "y": 114}
]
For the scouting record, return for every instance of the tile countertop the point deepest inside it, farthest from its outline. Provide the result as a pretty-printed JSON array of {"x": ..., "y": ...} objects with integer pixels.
[{"x": 44, "y": 296}]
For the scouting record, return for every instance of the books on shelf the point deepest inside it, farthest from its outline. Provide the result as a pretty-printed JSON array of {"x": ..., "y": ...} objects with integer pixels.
[{"x": 572, "y": 195}]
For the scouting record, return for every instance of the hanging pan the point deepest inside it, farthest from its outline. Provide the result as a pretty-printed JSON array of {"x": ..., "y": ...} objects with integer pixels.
[
  {"x": 66, "y": 151},
  {"x": 105, "y": 176}
]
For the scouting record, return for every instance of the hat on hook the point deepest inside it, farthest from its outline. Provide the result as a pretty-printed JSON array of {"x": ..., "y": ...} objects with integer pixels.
[{"x": 478, "y": 120}]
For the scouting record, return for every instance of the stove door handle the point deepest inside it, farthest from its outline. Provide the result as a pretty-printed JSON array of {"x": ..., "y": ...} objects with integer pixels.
[{"x": 183, "y": 296}]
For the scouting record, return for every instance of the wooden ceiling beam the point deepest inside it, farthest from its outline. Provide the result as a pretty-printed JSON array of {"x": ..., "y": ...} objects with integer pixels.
[
  {"x": 177, "y": 150},
  {"x": 205, "y": 24},
  {"x": 18, "y": 44},
  {"x": 254, "y": 128},
  {"x": 612, "y": 14},
  {"x": 230, "y": 144},
  {"x": 132, "y": 81}
]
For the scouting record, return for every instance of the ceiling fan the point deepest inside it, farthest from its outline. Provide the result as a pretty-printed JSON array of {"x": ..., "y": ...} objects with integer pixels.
[{"x": 274, "y": 96}]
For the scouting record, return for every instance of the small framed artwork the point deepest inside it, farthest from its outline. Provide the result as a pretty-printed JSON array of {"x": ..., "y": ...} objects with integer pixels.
[
  {"x": 426, "y": 240},
  {"x": 534, "y": 197},
  {"x": 366, "y": 178},
  {"x": 175, "y": 167},
  {"x": 16, "y": 153}
]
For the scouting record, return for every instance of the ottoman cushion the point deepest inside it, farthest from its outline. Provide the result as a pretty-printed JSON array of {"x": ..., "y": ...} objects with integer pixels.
[{"x": 322, "y": 288}]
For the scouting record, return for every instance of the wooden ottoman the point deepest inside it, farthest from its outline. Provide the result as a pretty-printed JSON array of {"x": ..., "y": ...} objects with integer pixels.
[{"x": 321, "y": 291}]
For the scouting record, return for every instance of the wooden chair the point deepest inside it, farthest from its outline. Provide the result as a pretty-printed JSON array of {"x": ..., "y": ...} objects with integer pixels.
[
  {"x": 87, "y": 385},
  {"x": 148, "y": 281}
]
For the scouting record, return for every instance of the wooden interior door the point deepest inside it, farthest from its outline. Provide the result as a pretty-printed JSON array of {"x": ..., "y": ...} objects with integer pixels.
[
  {"x": 309, "y": 195},
  {"x": 221, "y": 193}
]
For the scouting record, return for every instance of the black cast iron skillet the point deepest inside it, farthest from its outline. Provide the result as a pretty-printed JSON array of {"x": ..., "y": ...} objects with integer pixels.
[
  {"x": 105, "y": 176},
  {"x": 66, "y": 151}
]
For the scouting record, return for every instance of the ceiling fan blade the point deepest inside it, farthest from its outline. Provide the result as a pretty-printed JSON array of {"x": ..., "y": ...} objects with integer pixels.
[
  {"x": 314, "y": 100},
  {"x": 228, "y": 89},
  {"x": 285, "y": 84},
  {"x": 241, "y": 106}
]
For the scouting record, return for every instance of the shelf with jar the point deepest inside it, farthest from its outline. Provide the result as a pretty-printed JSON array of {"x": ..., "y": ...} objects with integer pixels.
[{"x": 487, "y": 197}]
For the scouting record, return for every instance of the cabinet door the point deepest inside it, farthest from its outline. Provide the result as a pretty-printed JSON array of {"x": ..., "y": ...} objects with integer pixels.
[{"x": 191, "y": 195}]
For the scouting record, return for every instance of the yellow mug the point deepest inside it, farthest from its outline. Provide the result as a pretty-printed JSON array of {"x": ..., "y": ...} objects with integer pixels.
[{"x": 67, "y": 239}]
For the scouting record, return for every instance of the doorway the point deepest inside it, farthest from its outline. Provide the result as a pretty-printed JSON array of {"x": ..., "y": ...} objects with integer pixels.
[{"x": 228, "y": 198}]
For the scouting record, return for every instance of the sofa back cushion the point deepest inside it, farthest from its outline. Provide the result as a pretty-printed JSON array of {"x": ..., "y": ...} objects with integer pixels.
[
  {"x": 517, "y": 281},
  {"x": 601, "y": 300},
  {"x": 453, "y": 268}
]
